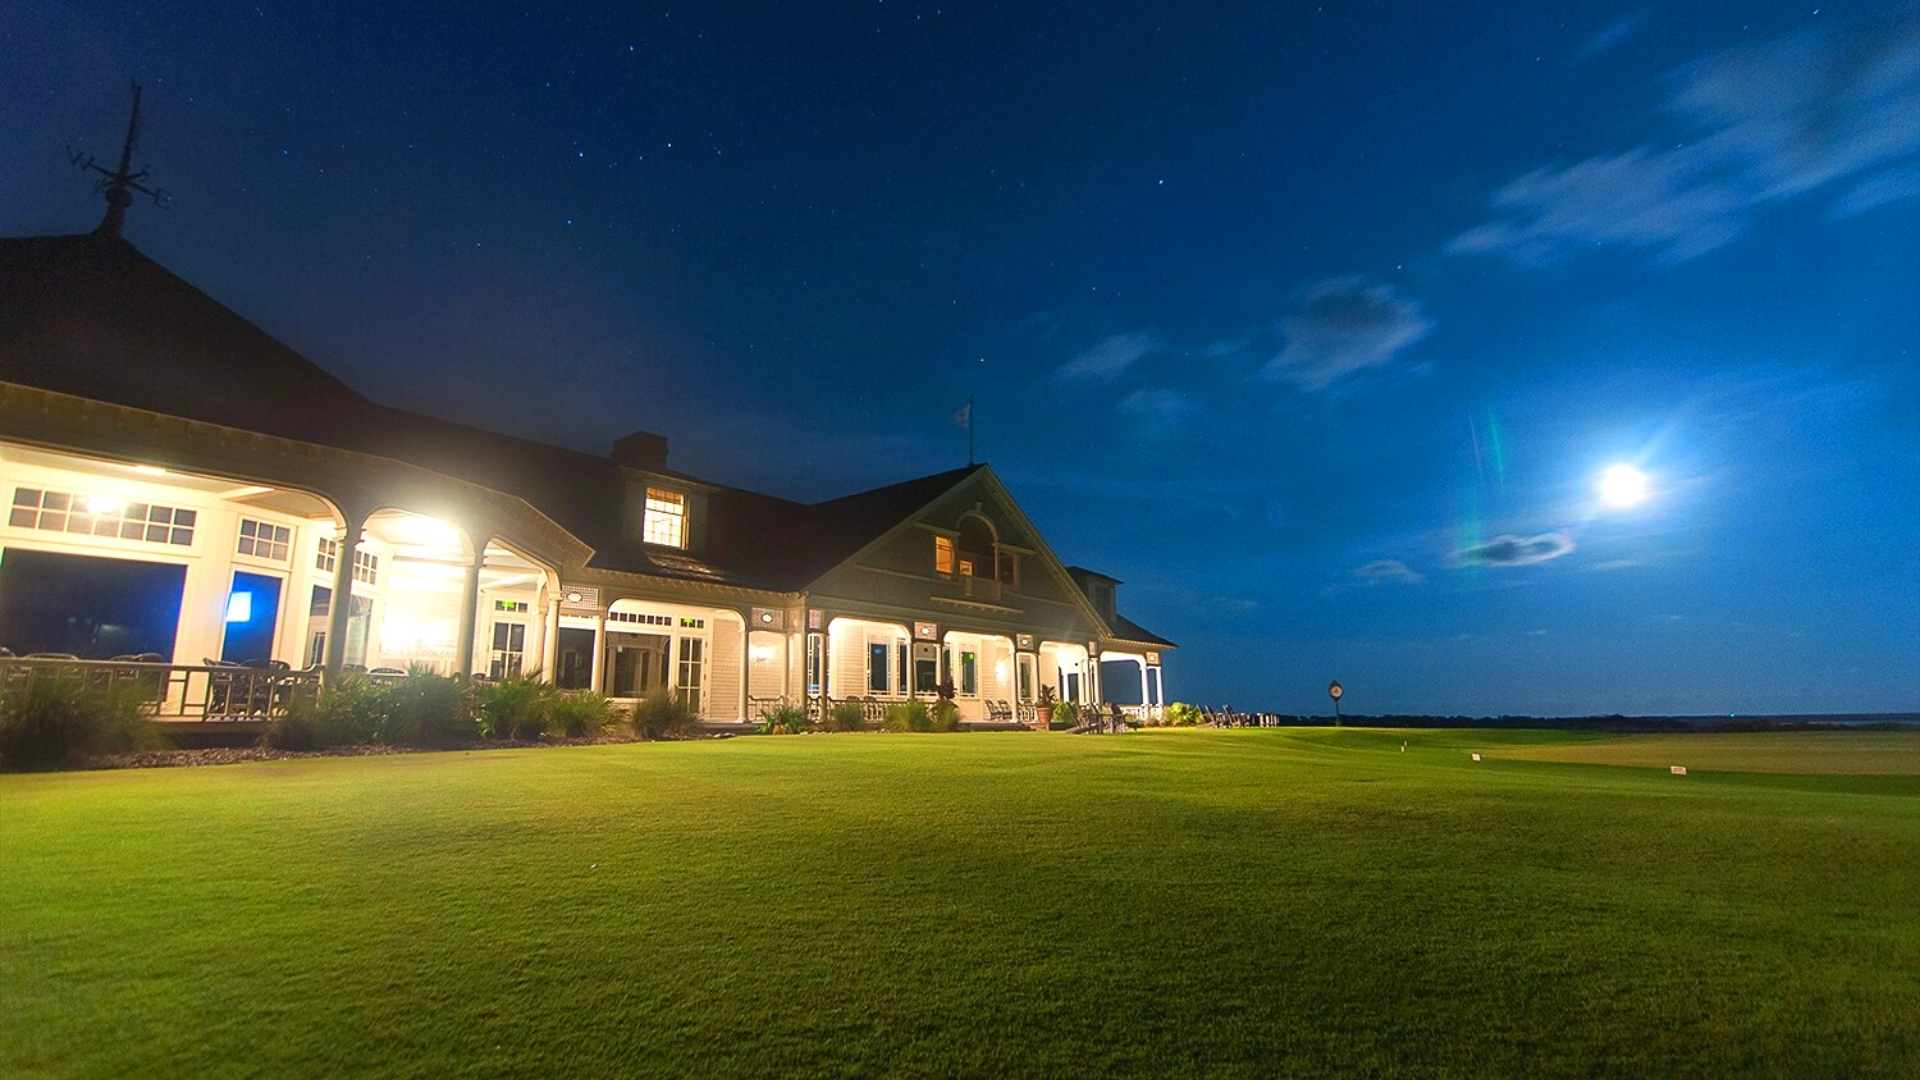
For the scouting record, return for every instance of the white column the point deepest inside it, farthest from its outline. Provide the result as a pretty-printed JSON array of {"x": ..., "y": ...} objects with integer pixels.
[
  {"x": 1146, "y": 702},
  {"x": 469, "y": 613},
  {"x": 599, "y": 651},
  {"x": 342, "y": 607},
  {"x": 550, "y": 639}
]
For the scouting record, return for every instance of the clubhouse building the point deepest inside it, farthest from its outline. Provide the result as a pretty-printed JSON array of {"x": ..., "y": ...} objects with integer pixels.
[{"x": 184, "y": 489}]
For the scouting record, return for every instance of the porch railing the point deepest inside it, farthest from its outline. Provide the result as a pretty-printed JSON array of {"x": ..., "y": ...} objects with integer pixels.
[
  {"x": 176, "y": 692},
  {"x": 980, "y": 588}
]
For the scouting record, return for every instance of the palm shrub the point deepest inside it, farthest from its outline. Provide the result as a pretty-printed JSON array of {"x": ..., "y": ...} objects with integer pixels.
[
  {"x": 423, "y": 709},
  {"x": 1065, "y": 715},
  {"x": 909, "y": 716},
  {"x": 516, "y": 708},
  {"x": 846, "y": 716},
  {"x": 54, "y": 722},
  {"x": 784, "y": 720},
  {"x": 663, "y": 715},
  {"x": 350, "y": 712},
  {"x": 579, "y": 714},
  {"x": 1181, "y": 714}
]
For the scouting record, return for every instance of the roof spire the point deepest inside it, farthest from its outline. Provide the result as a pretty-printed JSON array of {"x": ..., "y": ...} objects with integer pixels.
[{"x": 120, "y": 184}]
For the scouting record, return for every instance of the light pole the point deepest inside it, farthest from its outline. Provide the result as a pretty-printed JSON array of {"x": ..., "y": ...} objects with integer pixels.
[{"x": 1336, "y": 691}]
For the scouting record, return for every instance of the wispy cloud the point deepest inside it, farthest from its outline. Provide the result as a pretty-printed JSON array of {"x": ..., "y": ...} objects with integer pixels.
[
  {"x": 1160, "y": 412},
  {"x": 1612, "y": 35},
  {"x": 1343, "y": 325},
  {"x": 1772, "y": 121},
  {"x": 1515, "y": 550},
  {"x": 1381, "y": 571},
  {"x": 1108, "y": 359}
]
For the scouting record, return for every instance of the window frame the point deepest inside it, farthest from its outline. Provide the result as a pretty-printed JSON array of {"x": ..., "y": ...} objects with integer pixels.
[{"x": 671, "y": 516}]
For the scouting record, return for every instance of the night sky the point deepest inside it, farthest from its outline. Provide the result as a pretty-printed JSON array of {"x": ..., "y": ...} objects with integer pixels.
[{"x": 1316, "y": 325}]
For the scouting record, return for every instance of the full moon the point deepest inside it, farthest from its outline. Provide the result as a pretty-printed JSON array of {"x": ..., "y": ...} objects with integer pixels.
[{"x": 1623, "y": 485}]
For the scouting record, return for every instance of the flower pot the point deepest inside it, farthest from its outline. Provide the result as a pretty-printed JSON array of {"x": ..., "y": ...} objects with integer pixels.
[{"x": 1043, "y": 717}]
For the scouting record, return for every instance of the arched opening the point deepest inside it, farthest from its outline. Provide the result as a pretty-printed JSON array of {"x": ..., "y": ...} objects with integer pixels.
[
  {"x": 976, "y": 545},
  {"x": 407, "y": 598}
]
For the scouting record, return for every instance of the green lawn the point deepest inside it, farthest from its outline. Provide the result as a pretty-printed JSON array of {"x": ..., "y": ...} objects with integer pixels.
[
  {"x": 1830, "y": 752},
  {"x": 1240, "y": 903}
]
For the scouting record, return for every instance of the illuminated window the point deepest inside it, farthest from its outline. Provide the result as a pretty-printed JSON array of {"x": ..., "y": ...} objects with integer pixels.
[
  {"x": 264, "y": 541},
  {"x": 943, "y": 556},
  {"x": 666, "y": 518},
  {"x": 328, "y": 555},
  {"x": 97, "y": 515},
  {"x": 366, "y": 567},
  {"x": 509, "y": 650}
]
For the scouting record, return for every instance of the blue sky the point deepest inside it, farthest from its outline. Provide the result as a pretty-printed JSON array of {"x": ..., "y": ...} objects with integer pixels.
[{"x": 1315, "y": 324}]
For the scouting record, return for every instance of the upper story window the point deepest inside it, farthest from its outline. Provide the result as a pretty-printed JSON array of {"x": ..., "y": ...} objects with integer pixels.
[
  {"x": 943, "y": 556},
  {"x": 264, "y": 540},
  {"x": 666, "y": 518},
  {"x": 96, "y": 515}
]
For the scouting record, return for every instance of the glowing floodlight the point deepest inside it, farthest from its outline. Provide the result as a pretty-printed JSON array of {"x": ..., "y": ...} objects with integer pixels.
[{"x": 1623, "y": 486}]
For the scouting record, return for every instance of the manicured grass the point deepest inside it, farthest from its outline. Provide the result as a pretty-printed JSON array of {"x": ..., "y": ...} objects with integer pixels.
[
  {"x": 1886, "y": 753},
  {"x": 1238, "y": 903}
]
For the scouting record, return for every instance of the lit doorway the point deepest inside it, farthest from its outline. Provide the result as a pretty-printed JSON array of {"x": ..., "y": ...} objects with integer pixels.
[{"x": 636, "y": 664}]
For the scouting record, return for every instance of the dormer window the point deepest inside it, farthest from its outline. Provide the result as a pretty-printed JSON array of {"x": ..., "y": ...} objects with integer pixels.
[
  {"x": 1101, "y": 593},
  {"x": 666, "y": 518},
  {"x": 943, "y": 556}
]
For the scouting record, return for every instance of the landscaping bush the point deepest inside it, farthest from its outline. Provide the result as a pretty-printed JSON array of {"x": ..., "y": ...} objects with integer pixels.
[
  {"x": 54, "y": 722},
  {"x": 1065, "y": 715},
  {"x": 579, "y": 714},
  {"x": 663, "y": 715},
  {"x": 909, "y": 716},
  {"x": 945, "y": 716},
  {"x": 424, "y": 709},
  {"x": 1181, "y": 714},
  {"x": 516, "y": 708},
  {"x": 846, "y": 716},
  {"x": 784, "y": 720},
  {"x": 349, "y": 712}
]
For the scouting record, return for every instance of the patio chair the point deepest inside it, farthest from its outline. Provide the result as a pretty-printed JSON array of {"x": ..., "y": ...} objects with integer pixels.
[{"x": 224, "y": 691}]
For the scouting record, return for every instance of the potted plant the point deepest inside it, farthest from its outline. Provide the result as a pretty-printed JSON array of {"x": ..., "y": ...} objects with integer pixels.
[{"x": 1043, "y": 709}]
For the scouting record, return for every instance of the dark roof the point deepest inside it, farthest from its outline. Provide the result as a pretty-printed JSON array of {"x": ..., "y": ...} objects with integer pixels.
[
  {"x": 1127, "y": 630},
  {"x": 788, "y": 545},
  {"x": 94, "y": 317}
]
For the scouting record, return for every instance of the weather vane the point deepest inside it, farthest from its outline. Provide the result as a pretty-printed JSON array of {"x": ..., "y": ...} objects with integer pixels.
[{"x": 120, "y": 184}]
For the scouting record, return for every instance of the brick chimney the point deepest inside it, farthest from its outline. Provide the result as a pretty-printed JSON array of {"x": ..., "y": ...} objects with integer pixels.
[{"x": 641, "y": 450}]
